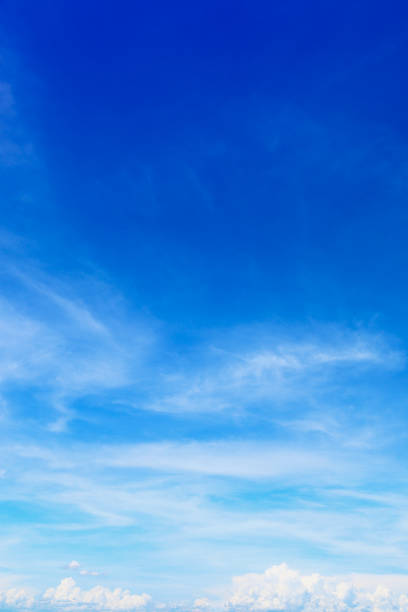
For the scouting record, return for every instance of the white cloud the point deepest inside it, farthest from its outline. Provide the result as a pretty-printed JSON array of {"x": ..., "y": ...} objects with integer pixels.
[
  {"x": 73, "y": 565},
  {"x": 68, "y": 595},
  {"x": 202, "y": 492},
  {"x": 306, "y": 356},
  {"x": 273, "y": 369},
  {"x": 241, "y": 459},
  {"x": 281, "y": 588},
  {"x": 16, "y": 598}
]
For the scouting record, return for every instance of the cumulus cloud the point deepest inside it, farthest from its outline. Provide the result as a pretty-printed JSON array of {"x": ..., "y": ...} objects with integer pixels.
[
  {"x": 281, "y": 588},
  {"x": 68, "y": 595},
  {"x": 16, "y": 599}
]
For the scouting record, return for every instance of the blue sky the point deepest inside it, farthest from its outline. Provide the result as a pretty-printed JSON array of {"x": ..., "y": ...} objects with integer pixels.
[{"x": 203, "y": 332}]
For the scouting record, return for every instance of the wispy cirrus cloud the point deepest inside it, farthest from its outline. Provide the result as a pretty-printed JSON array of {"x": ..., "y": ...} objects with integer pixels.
[
  {"x": 270, "y": 366},
  {"x": 216, "y": 492},
  {"x": 55, "y": 345},
  {"x": 65, "y": 341}
]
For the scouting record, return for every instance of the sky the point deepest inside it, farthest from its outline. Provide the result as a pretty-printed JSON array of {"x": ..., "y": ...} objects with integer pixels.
[{"x": 203, "y": 290}]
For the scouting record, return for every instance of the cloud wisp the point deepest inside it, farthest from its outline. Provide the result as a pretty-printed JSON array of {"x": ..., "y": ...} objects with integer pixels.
[
  {"x": 62, "y": 342},
  {"x": 55, "y": 346},
  {"x": 267, "y": 367}
]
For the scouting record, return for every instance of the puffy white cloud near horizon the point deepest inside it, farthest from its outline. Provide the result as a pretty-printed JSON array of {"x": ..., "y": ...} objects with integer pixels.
[
  {"x": 279, "y": 588},
  {"x": 282, "y": 588},
  {"x": 68, "y": 594},
  {"x": 16, "y": 598}
]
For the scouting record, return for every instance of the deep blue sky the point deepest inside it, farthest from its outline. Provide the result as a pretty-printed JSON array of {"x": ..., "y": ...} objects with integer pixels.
[
  {"x": 235, "y": 157},
  {"x": 204, "y": 284}
]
